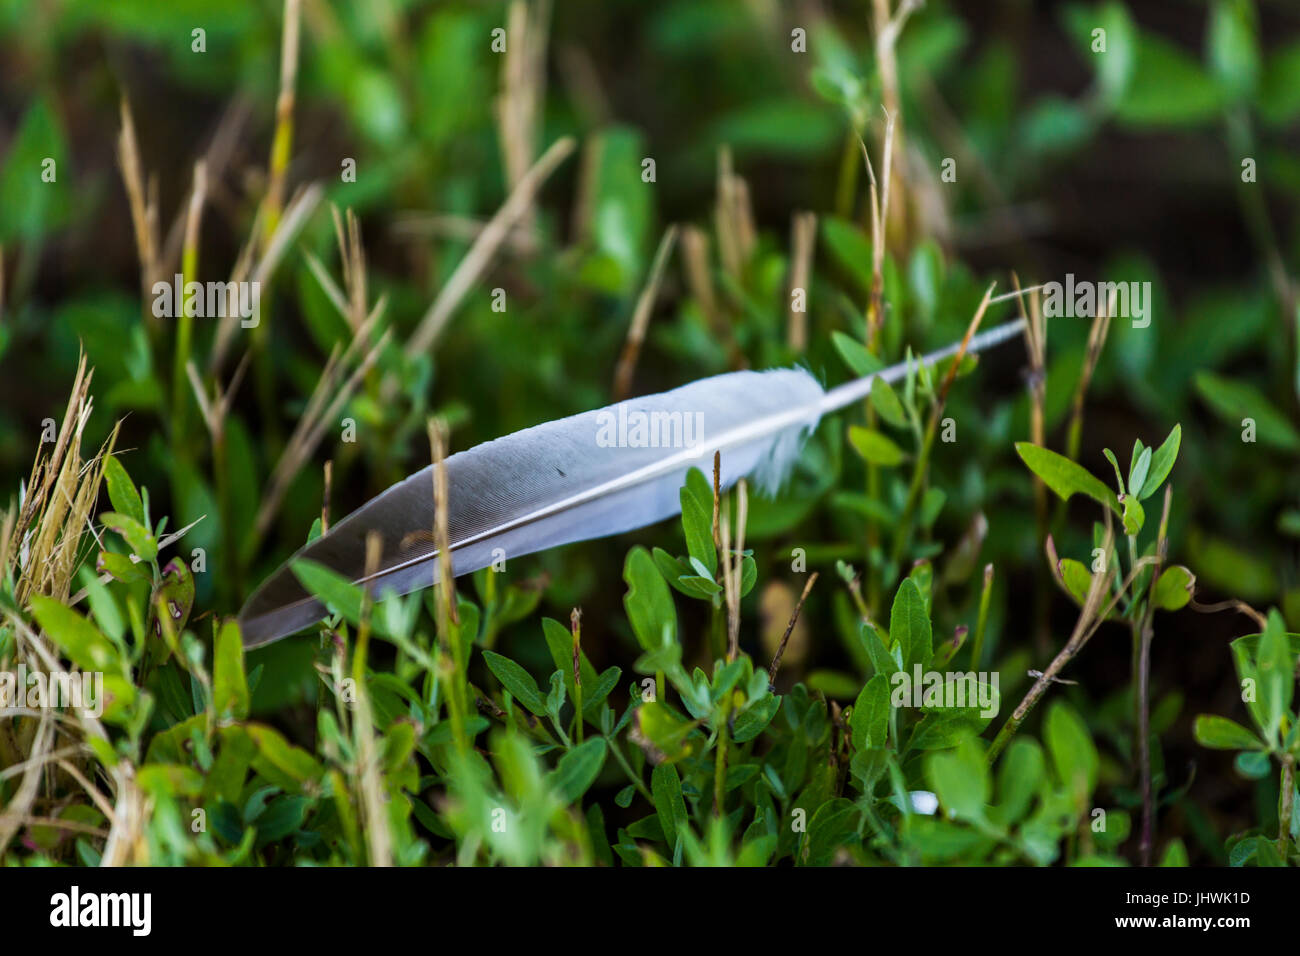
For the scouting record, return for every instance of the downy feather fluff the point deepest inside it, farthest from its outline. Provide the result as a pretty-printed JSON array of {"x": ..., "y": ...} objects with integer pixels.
[{"x": 564, "y": 481}]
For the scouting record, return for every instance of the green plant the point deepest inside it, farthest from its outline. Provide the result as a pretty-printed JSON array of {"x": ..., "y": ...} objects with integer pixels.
[{"x": 1266, "y": 670}]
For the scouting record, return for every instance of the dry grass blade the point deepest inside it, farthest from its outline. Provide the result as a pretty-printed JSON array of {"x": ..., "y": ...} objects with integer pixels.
[
  {"x": 460, "y": 229},
  {"x": 789, "y": 629},
  {"x": 733, "y": 570},
  {"x": 47, "y": 536},
  {"x": 803, "y": 241},
  {"x": 311, "y": 427},
  {"x": 16, "y": 810},
  {"x": 523, "y": 90},
  {"x": 290, "y": 224},
  {"x": 888, "y": 28},
  {"x": 699, "y": 277},
  {"x": 733, "y": 218},
  {"x": 641, "y": 317},
  {"x": 282, "y": 144},
  {"x": 1091, "y": 617},
  {"x": 485, "y": 247},
  {"x": 144, "y": 212},
  {"x": 45, "y": 540},
  {"x": 441, "y": 532},
  {"x": 948, "y": 379}
]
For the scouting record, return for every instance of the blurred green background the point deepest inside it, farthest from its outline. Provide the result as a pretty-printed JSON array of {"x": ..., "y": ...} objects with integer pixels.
[{"x": 1126, "y": 165}]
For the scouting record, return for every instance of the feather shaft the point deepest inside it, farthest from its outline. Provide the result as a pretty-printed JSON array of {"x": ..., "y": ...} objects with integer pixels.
[{"x": 559, "y": 482}]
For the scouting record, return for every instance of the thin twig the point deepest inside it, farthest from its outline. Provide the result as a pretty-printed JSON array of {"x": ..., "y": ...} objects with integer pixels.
[
  {"x": 483, "y": 250},
  {"x": 803, "y": 241},
  {"x": 789, "y": 629},
  {"x": 641, "y": 317}
]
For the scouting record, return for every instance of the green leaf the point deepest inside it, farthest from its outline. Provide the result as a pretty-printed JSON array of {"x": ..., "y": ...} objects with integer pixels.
[
  {"x": 1132, "y": 514},
  {"x": 1063, "y": 476},
  {"x": 1020, "y": 773},
  {"x": 1162, "y": 462},
  {"x": 138, "y": 538},
  {"x": 121, "y": 567},
  {"x": 666, "y": 787},
  {"x": 685, "y": 577},
  {"x": 559, "y": 641},
  {"x": 1175, "y": 854},
  {"x": 1252, "y": 764},
  {"x": 757, "y": 852},
  {"x": 1173, "y": 588},
  {"x": 877, "y": 651},
  {"x": 1220, "y": 733},
  {"x": 1234, "y": 48},
  {"x": 173, "y": 595},
  {"x": 909, "y": 625},
  {"x": 1114, "y": 64},
  {"x": 925, "y": 275},
  {"x": 946, "y": 726},
  {"x": 229, "y": 685},
  {"x": 697, "y": 525},
  {"x": 594, "y": 694},
  {"x": 172, "y": 780},
  {"x": 753, "y": 720},
  {"x": 1266, "y": 853},
  {"x": 283, "y": 764},
  {"x": 330, "y": 588},
  {"x": 1078, "y": 580},
  {"x": 648, "y": 601},
  {"x": 1139, "y": 466},
  {"x": 578, "y": 769},
  {"x": 1168, "y": 87},
  {"x": 870, "y": 719},
  {"x": 1073, "y": 754},
  {"x": 1114, "y": 464},
  {"x": 850, "y": 247},
  {"x": 922, "y": 575},
  {"x": 833, "y": 825},
  {"x": 1235, "y": 402},
  {"x": 875, "y": 447},
  {"x": 855, "y": 355},
  {"x": 80, "y": 640},
  {"x": 1276, "y": 669},
  {"x": 33, "y": 207},
  {"x": 516, "y": 680},
  {"x": 282, "y": 816},
  {"x": 666, "y": 731},
  {"x": 960, "y": 780},
  {"x": 121, "y": 491},
  {"x": 885, "y": 400}
]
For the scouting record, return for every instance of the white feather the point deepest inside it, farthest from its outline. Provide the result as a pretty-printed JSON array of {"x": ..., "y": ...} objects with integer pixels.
[{"x": 574, "y": 479}]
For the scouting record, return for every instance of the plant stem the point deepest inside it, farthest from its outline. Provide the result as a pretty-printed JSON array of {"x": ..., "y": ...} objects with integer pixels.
[
  {"x": 575, "y": 625},
  {"x": 627, "y": 768},
  {"x": 981, "y": 622},
  {"x": 902, "y": 530},
  {"x": 720, "y": 762},
  {"x": 1144, "y": 738},
  {"x": 1143, "y": 635},
  {"x": 1286, "y": 802},
  {"x": 1091, "y": 617}
]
